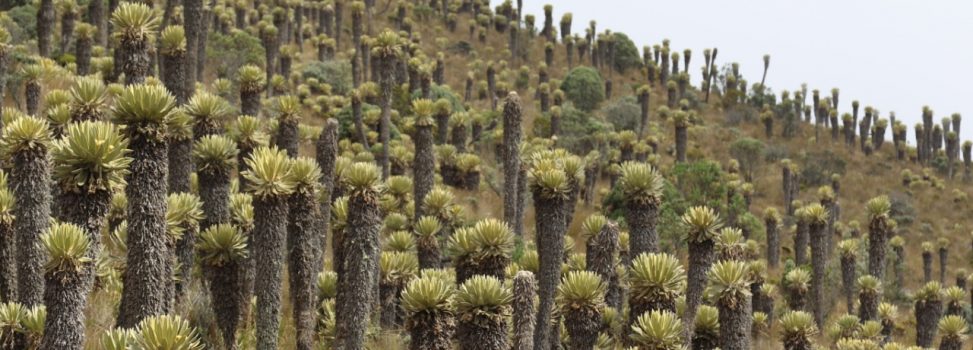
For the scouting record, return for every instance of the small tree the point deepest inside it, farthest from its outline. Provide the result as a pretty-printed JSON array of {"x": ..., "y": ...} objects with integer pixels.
[
  {"x": 749, "y": 152},
  {"x": 584, "y": 87}
]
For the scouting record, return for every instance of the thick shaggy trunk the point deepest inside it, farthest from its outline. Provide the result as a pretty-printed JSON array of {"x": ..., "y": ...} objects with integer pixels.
[
  {"x": 700, "y": 259},
  {"x": 442, "y": 127},
  {"x": 65, "y": 297},
  {"x": 868, "y": 310},
  {"x": 269, "y": 229},
  {"x": 181, "y": 165},
  {"x": 228, "y": 295},
  {"x": 926, "y": 267},
  {"x": 136, "y": 60},
  {"x": 550, "y": 241},
  {"x": 600, "y": 257},
  {"x": 96, "y": 13},
  {"x": 431, "y": 330},
  {"x": 287, "y": 138},
  {"x": 773, "y": 244},
  {"x": 524, "y": 291},
  {"x": 583, "y": 325},
  {"x": 357, "y": 282},
  {"x": 327, "y": 152},
  {"x": 877, "y": 240},
  {"x": 356, "y": 112},
  {"x": 82, "y": 54},
  {"x": 386, "y": 120},
  {"x": 205, "y": 20},
  {"x": 31, "y": 182},
  {"x": 735, "y": 325},
  {"x": 302, "y": 241},
  {"x": 32, "y": 96},
  {"x": 819, "y": 260},
  {"x": 428, "y": 251},
  {"x": 193, "y": 23},
  {"x": 641, "y": 219},
  {"x": 423, "y": 167},
  {"x": 45, "y": 27},
  {"x": 459, "y": 138},
  {"x": 512, "y": 116},
  {"x": 149, "y": 270},
  {"x": 521, "y": 199},
  {"x": 483, "y": 331},
  {"x": 927, "y": 313},
  {"x": 848, "y": 280},
  {"x": 943, "y": 261},
  {"x": 8, "y": 266},
  {"x": 389, "y": 292},
  {"x": 67, "y": 30},
  {"x": 249, "y": 101},
  {"x": 800, "y": 243},
  {"x": 681, "y": 138}
]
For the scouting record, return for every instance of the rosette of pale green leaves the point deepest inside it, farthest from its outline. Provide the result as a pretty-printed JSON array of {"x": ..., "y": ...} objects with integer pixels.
[
  {"x": 134, "y": 21},
  {"x": 215, "y": 153},
  {"x": 145, "y": 108},
  {"x": 166, "y": 332},
  {"x": 702, "y": 223},
  {"x": 25, "y": 134},
  {"x": 67, "y": 248},
  {"x": 730, "y": 281},
  {"x": 221, "y": 244},
  {"x": 428, "y": 294},
  {"x": 658, "y": 329},
  {"x": 269, "y": 173},
  {"x": 92, "y": 156},
  {"x": 483, "y": 295}
]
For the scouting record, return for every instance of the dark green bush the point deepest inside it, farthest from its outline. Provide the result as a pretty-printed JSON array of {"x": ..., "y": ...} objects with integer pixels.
[
  {"x": 584, "y": 87},
  {"x": 227, "y": 53},
  {"x": 333, "y": 72},
  {"x": 626, "y": 54}
]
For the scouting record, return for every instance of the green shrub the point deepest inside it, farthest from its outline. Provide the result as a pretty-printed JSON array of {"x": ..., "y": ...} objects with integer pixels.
[
  {"x": 624, "y": 114},
  {"x": 230, "y": 52},
  {"x": 578, "y": 129},
  {"x": 626, "y": 54},
  {"x": 818, "y": 167},
  {"x": 584, "y": 87},
  {"x": 701, "y": 183},
  {"x": 902, "y": 210},
  {"x": 24, "y": 26},
  {"x": 749, "y": 153},
  {"x": 332, "y": 72}
]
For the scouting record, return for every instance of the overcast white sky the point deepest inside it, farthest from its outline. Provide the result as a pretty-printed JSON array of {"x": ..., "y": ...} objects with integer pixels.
[{"x": 895, "y": 55}]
